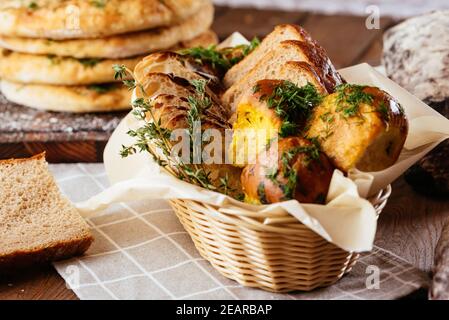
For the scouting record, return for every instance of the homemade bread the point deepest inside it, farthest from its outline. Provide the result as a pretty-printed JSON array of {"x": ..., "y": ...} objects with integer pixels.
[
  {"x": 41, "y": 69},
  {"x": 92, "y": 98},
  {"x": 298, "y": 72},
  {"x": 292, "y": 168},
  {"x": 72, "y": 19},
  {"x": 281, "y": 33},
  {"x": 37, "y": 223},
  {"x": 360, "y": 127},
  {"x": 124, "y": 45},
  {"x": 269, "y": 109}
]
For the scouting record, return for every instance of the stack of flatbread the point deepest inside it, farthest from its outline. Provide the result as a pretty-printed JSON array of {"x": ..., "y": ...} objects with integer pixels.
[{"x": 58, "y": 55}]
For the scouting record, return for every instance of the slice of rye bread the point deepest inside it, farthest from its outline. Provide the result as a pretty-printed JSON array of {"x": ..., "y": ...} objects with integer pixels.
[
  {"x": 37, "y": 223},
  {"x": 281, "y": 33}
]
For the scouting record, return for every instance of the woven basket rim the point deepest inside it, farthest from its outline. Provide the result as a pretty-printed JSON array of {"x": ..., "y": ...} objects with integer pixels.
[{"x": 283, "y": 223}]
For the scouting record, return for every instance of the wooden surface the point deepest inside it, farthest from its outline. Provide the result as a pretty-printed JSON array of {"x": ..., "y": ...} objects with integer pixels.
[{"x": 409, "y": 226}]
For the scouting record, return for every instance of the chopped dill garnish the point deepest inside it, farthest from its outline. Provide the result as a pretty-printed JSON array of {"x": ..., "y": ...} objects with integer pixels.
[
  {"x": 292, "y": 104},
  {"x": 349, "y": 99}
]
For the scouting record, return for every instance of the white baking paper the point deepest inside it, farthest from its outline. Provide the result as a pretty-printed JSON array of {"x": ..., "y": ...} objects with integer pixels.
[{"x": 347, "y": 220}]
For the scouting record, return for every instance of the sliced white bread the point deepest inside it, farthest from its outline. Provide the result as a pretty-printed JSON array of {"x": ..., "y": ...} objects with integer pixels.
[
  {"x": 37, "y": 223},
  {"x": 281, "y": 33},
  {"x": 313, "y": 69}
]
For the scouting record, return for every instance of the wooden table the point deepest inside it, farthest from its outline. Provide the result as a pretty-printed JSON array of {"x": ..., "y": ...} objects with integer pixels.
[{"x": 410, "y": 225}]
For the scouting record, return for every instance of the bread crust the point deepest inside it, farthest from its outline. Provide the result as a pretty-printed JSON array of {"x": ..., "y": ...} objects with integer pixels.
[
  {"x": 121, "y": 46},
  {"x": 267, "y": 181},
  {"x": 72, "y": 19},
  {"x": 62, "y": 246},
  {"x": 369, "y": 141},
  {"x": 76, "y": 99},
  {"x": 36, "y": 69}
]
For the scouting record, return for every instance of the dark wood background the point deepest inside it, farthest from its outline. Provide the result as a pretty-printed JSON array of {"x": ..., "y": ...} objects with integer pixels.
[{"x": 410, "y": 225}]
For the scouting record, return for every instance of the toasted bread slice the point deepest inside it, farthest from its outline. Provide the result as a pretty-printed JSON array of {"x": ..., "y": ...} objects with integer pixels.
[
  {"x": 281, "y": 33},
  {"x": 37, "y": 224},
  {"x": 298, "y": 72}
]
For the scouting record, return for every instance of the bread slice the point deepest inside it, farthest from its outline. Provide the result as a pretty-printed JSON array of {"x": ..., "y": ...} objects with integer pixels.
[
  {"x": 298, "y": 72},
  {"x": 37, "y": 224},
  {"x": 281, "y": 33}
]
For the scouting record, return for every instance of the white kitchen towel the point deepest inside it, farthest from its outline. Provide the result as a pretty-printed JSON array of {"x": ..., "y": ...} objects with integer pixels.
[
  {"x": 141, "y": 251},
  {"x": 392, "y": 8}
]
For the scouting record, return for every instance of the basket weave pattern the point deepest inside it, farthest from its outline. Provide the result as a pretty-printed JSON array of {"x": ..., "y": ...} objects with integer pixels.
[{"x": 274, "y": 252}]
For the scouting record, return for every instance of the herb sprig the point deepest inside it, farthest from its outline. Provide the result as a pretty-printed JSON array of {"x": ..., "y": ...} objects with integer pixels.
[
  {"x": 292, "y": 104},
  {"x": 152, "y": 133}
]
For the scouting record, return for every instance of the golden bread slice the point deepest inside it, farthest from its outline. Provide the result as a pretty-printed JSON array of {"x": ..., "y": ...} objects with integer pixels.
[{"x": 281, "y": 33}]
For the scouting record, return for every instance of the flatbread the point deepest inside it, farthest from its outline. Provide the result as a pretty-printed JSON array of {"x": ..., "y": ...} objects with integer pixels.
[
  {"x": 77, "y": 99},
  {"x": 120, "y": 46},
  {"x": 73, "y": 19},
  {"x": 39, "y": 69}
]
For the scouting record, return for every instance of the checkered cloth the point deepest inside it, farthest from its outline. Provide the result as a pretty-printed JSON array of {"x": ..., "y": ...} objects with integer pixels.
[{"x": 141, "y": 251}]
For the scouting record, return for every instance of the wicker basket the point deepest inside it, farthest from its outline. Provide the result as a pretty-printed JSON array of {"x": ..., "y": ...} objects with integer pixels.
[{"x": 276, "y": 253}]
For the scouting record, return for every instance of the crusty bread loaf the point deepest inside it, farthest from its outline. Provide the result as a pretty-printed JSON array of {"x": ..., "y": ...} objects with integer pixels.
[
  {"x": 360, "y": 127},
  {"x": 298, "y": 72},
  {"x": 291, "y": 169},
  {"x": 37, "y": 224},
  {"x": 281, "y": 33}
]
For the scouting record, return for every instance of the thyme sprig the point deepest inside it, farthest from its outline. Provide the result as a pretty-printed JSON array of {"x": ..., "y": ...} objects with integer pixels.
[{"x": 152, "y": 133}]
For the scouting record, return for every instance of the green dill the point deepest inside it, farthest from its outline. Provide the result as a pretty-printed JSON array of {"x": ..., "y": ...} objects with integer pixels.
[
  {"x": 101, "y": 88},
  {"x": 292, "y": 104},
  {"x": 312, "y": 153},
  {"x": 271, "y": 174},
  {"x": 349, "y": 99},
  {"x": 33, "y": 5},
  {"x": 261, "y": 193},
  {"x": 222, "y": 59},
  {"x": 98, "y": 3},
  {"x": 328, "y": 118},
  {"x": 383, "y": 110},
  {"x": 89, "y": 62}
]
